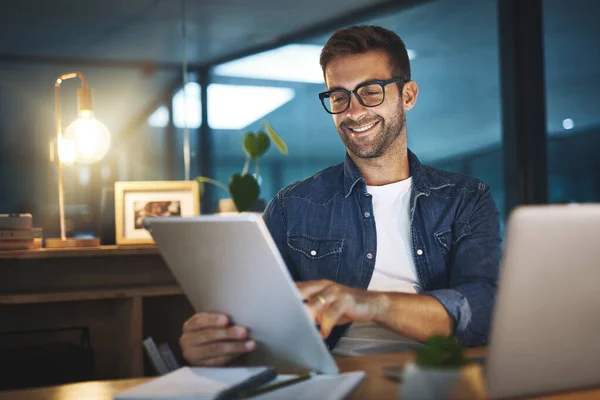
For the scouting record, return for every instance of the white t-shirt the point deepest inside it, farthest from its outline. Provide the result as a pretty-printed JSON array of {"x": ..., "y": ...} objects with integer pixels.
[
  {"x": 394, "y": 264},
  {"x": 394, "y": 270}
]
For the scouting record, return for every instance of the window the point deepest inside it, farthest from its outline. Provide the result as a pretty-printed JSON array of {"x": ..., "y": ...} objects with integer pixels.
[
  {"x": 572, "y": 56},
  {"x": 455, "y": 125}
]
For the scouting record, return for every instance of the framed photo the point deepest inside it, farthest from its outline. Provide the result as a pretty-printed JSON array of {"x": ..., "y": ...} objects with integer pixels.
[{"x": 135, "y": 201}]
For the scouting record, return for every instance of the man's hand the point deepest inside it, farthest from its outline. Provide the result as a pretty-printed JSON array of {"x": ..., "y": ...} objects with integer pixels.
[
  {"x": 333, "y": 304},
  {"x": 210, "y": 340},
  {"x": 416, "y": 316}
]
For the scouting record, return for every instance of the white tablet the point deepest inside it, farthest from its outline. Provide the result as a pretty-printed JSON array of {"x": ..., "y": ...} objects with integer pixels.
[{"x": 230, "y": 264}]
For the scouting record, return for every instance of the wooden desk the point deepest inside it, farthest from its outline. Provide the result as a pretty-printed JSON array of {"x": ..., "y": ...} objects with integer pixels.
[
  {"x": 374, "y": 386},
  {"x": 122, "y": 294}
]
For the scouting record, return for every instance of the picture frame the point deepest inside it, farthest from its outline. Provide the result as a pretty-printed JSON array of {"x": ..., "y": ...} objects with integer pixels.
[{"x": 135, "y": 200}]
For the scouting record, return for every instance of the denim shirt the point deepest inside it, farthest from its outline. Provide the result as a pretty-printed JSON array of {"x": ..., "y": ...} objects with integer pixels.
[{"x": 325, "y": 229}]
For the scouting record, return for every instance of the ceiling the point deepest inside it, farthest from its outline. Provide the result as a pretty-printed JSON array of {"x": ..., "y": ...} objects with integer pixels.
[
  {"x": 131, "y": 51},
  {"x": 151, "y": 30},
  {"x": 141, "y": 41}
]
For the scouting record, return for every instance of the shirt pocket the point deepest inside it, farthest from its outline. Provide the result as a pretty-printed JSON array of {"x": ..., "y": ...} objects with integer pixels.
[
  {"x": 447, "y": 238},
  {"x": 315, "y": 258}
]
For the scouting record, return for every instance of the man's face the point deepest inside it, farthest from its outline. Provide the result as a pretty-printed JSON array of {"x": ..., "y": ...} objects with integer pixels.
[{"x": 367, "y": 132}]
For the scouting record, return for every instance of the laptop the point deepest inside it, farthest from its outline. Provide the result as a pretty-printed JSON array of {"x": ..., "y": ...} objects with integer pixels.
[
  {"x": 230, "y": 264},
  {"x": 545, "y": 334}
]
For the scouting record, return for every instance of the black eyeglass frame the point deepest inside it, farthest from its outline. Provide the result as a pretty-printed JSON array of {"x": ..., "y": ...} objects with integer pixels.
[{"x": 382, "y": 83}]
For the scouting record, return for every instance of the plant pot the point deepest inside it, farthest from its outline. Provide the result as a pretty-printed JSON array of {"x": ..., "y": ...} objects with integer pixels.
[
  {"x": 441, "y": 383},
  {"x": 227, "y": 206}
]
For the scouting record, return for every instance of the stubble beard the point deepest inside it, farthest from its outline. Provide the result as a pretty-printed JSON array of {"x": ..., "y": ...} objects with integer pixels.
[{"x": 389, "y": 132}]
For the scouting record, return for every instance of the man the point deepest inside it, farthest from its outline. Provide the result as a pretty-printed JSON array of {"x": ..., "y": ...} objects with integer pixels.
[{"x": 380, "y": 240}]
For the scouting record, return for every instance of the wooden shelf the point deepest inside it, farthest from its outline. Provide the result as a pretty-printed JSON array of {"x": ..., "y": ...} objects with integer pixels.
[
  {"x": 30, "y": 298},
  {"x": 80, "y": 252},
  {"x": 121, "y": 293}
]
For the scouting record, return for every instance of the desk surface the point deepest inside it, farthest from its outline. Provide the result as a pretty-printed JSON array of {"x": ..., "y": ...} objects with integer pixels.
[{"x": 374, "y": 386}]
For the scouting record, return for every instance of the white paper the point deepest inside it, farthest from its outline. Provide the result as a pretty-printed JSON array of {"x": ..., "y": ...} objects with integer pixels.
[
  {"x": 322, "y": 387},
  {"x": 205, "y": 383},
  {"x": 186, "y": 382}
]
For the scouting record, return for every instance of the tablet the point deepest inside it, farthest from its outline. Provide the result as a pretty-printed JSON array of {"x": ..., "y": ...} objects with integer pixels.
[{"x": 230, "y": 264}]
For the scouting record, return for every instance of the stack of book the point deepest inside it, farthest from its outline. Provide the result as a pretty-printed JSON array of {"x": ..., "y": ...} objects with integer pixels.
[{"x": 17, "y": 232}]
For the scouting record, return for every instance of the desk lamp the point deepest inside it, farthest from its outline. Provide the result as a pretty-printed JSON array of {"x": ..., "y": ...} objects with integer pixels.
[{"x": 86, "y": 141}]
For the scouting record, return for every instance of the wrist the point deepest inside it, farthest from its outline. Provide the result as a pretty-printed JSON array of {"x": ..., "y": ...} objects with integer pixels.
[{"x": 381, "y": 305}]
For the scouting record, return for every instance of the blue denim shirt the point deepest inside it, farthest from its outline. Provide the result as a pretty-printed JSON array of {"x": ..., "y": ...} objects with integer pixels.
[{"x": 325, "y": 229}]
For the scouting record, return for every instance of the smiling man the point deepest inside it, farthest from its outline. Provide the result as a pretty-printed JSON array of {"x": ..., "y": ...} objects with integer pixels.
[{"x": 400, "y": 250}]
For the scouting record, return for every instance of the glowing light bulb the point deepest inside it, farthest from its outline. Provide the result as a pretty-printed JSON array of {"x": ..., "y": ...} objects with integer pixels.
[
  {"x": 89, "y": 137},
  {"x": 67, "y": 151}
]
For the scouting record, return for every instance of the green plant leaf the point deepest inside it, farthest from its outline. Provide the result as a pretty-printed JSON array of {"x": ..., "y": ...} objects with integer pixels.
[
  {"x": 441, "y": 352},
  {"x": 276, "y": 138},
  {"x": 244, "y": 191},
  {"x": 256, "y": 145}
]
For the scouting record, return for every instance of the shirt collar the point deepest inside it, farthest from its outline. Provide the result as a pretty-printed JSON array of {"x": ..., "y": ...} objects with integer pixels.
[{"x": 352, "y": 177}]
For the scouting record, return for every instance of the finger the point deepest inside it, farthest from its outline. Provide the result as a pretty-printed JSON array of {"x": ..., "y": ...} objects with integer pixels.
[
  {"x": 333, "y": 313},
  {"x": 205, "y": 320},
  {"x": 312, "y": 311},
  {"x": 308, "y": 289},
  {"x": 321, "y": 300},
  {"x": 231, "y": 348},
  {"x": 197, "y": 355},
  {"x": 217, "y": 361},
  {"x": 208, "y": 335},
  {"x": 317, "y": 302}
]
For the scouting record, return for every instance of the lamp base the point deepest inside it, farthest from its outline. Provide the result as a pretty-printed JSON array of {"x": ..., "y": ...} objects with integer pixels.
[{"x": 58, "y": 243}]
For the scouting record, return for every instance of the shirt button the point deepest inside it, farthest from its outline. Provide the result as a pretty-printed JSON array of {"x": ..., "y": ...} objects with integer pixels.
[
  {"x": 313, "y": 252},
  {"x": 419, "y": 252},
  {"x": 369, "y": 256},
  {"x": 367, "y": 214}
]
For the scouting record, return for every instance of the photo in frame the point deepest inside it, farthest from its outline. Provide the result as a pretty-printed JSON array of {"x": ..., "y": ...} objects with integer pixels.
[{"x": 135, "y": 201}]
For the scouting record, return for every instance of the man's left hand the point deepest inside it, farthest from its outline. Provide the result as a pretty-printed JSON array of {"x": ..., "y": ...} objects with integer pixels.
[{"x": 332, "y": 304}]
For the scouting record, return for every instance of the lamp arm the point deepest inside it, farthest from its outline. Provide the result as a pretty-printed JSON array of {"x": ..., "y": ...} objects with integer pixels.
[{"x": 61, "y": 196}]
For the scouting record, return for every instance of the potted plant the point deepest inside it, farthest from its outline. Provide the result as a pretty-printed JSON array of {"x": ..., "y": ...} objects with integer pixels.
[
  {"x": 243, "y": 187},
  {"x": 441, "y": 370}
]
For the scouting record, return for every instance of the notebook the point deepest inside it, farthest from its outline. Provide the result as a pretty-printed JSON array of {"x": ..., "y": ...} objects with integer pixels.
[
  {"x": 322, "y": 387},
  {"x": 201, "y": 383}
]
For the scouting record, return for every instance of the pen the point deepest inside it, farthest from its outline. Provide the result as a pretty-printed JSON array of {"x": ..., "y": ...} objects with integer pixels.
[{"x": 254, "y": 392}]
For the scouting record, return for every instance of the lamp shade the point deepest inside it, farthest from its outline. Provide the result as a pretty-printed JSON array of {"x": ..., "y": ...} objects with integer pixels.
[{"x": 86, "y": 140}]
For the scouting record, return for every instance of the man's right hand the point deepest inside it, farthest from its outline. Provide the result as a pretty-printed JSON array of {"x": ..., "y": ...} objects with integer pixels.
[{"x": 210, "y": 340}]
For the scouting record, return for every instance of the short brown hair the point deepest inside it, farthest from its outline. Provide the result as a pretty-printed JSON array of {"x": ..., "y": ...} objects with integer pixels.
[{"x": 363, "y": 38}]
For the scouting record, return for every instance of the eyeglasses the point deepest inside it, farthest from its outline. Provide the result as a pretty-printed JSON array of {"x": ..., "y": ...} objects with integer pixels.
[{"x": 369, "y": 94}]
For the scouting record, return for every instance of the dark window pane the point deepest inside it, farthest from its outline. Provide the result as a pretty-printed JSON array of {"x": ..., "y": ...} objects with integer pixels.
[{"x": 572, "y": 59}]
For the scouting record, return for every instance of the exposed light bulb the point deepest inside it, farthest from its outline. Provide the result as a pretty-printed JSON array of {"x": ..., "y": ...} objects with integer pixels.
[
  {"x": 90, "y": 138},
  {"x": 67, "y": 152}
]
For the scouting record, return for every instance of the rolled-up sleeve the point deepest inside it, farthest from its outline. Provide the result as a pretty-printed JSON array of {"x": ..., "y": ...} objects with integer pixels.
[{"x": 473, "y": 273}]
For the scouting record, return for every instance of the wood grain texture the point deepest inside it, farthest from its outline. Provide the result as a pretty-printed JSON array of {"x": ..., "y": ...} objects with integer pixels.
[
  {"x": 374, "y": 386},
  {"x": 131, "y": 315},
  {"x": 80, "y": 252},
  {"x": 101, "y": 294},
  {"x": 122, "y": 294}
]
